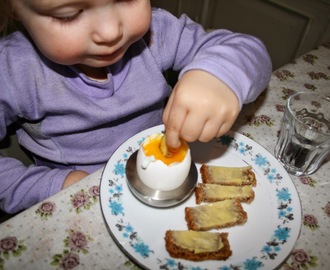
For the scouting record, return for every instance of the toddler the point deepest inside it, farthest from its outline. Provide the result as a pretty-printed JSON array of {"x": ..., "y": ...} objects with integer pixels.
[{"x": 81, "y": 77}]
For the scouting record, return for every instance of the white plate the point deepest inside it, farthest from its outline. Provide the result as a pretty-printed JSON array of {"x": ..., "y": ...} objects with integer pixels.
[{"x": 263, "y": 242}]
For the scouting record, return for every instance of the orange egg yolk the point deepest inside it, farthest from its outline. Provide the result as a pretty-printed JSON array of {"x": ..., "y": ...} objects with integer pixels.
[{"x": 152, "y": 148}]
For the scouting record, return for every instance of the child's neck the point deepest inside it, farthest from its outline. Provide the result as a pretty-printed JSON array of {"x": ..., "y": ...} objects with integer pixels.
[{"x": 97, "y": 74}]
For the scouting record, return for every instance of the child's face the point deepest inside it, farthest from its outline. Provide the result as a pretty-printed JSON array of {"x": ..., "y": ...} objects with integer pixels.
[{"x": 95, "y": 33}]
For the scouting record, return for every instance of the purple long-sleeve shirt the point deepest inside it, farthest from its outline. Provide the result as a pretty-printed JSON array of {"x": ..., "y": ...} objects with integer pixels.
[{"x": 70, "y": 122}]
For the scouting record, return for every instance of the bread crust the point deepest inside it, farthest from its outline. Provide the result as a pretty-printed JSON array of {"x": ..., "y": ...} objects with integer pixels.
[
  {"x": 181, "y": 253},
  {"x": 194, "y": 223},
  {"x": 201, "y": 195},
  {"x": 248, "y": 176},
  {"x": 215, "y": 215}
]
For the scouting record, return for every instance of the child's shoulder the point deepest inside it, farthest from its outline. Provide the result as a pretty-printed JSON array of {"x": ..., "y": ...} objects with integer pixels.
[
  {"x": 16, "y": 49},
  {"x": 167, "y": 22},
  {"x": 163, "y": 15},
  {"x": 15, "y": 41},
  {"x": 19, "y": 56}
]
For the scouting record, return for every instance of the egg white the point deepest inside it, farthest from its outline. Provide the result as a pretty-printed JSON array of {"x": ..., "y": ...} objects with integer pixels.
[{"x": 158, "y": 176}]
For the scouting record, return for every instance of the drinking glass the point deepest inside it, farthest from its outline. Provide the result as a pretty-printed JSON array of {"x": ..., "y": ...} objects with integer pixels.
[{"x": 304, "y": 140}]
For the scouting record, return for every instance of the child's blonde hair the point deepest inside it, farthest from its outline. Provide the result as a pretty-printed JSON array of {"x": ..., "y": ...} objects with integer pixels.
[{"x": 7, "y": 18}]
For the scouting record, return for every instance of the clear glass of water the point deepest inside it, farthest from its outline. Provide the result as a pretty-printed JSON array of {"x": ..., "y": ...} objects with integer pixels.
[{"x": 304, "y": 140}]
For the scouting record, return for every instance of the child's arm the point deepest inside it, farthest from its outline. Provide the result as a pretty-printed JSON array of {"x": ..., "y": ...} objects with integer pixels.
[
  {"x": 74, "y": 177},
  {"x": 201, "y": 107},
  {"x": 21, "y": 186}
]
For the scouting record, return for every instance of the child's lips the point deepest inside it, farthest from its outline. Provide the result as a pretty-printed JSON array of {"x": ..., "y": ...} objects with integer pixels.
[{"x": 110, "y": 56}]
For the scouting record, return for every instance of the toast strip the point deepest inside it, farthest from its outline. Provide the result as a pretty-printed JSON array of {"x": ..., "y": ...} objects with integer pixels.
[
  {"x": 215, "y": 215},
  {"x": 197, "y": 246},
  {"x": 236, "y": 176},
  {"x": 215, "y": 192}
]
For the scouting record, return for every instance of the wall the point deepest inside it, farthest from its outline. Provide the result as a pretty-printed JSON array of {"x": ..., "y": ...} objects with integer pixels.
[{"x": 289, "y": 28}]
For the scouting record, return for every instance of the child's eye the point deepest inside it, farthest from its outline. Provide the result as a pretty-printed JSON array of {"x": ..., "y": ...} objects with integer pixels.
[
  {"x": 128, "y": 1},
  {"x": 67, "y": 18}
]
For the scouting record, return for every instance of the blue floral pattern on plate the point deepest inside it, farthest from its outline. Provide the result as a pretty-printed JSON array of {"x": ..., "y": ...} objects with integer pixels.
[{"x": 280, "y": 241}]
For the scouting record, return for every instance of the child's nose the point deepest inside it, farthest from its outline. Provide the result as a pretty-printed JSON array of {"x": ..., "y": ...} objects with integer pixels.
[{"x": 107, "y": 28}]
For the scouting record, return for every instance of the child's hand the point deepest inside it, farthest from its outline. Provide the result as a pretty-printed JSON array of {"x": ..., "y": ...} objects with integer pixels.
[
  {"x": 200, "y": 107},
  {"x": 74, "y": 177}
]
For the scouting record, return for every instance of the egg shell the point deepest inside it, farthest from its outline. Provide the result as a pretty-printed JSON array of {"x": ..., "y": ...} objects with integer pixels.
[{"x": 159, "y": 176}]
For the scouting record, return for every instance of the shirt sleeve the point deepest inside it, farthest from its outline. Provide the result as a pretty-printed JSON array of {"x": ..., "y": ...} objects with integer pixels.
[
  {"x": 22, "y": 187},
  {"x": 241, "y": 61}
]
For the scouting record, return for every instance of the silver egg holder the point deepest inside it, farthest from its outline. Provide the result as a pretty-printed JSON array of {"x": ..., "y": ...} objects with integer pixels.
[{"x": 159, "y": 198}]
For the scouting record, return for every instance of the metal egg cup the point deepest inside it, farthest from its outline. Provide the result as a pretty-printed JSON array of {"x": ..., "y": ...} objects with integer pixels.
[{"x": 159, "y": 198}]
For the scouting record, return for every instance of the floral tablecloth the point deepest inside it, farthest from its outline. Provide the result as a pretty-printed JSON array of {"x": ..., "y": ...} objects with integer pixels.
[{"x": 67, "y": 231}]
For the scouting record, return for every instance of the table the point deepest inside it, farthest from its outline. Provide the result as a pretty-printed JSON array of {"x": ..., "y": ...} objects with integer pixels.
[{"x": 67, "y": 231}]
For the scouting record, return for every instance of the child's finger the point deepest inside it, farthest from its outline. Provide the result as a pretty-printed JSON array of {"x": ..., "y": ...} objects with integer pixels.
[
  {"x": 173, "y": 119},
  {"x": 193, "y": 126}
]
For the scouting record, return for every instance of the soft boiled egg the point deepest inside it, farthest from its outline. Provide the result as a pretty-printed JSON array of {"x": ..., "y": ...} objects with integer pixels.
[{"x": 159, "y": 171}]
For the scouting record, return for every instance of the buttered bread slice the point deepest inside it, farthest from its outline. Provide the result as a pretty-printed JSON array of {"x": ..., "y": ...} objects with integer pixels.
[
  {"x": 215, "y": 215},
  {"x": 215, "y": 192},
  {"x": 237, "y": 176},
  {"x": 197, "y": 245}
]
